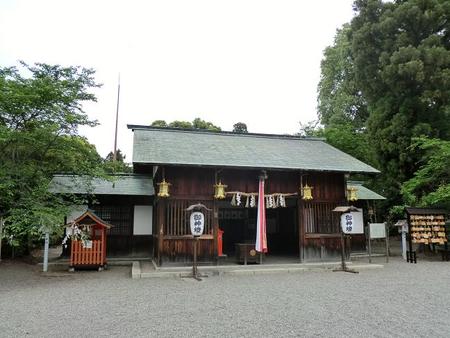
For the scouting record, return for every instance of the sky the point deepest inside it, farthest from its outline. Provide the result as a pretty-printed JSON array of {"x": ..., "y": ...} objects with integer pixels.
[{"x": 251, "y": 61}]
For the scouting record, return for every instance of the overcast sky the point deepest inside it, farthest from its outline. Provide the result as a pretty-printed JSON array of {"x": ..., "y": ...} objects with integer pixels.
[{"x": 256, "y": 62}]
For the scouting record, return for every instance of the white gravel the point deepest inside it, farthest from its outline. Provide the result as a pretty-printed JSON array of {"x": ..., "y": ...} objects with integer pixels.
[{"x": 401, "y": 300}]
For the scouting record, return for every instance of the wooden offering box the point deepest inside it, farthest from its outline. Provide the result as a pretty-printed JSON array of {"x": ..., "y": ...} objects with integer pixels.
[
  {"x": 90, "y": 253},
  {"x": 246, "y": 253}
]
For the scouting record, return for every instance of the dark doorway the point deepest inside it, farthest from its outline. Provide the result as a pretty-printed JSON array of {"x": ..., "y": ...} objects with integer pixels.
[{"x": 239, "y": 226}]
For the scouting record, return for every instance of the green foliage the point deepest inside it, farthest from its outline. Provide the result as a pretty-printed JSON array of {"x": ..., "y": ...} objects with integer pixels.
[
  {"x": 384, "y": 82},
  {"x": 342, "y": 109},
  {"x": 401, "y": 54},
  {"x": 39, "y": 117},
  {"x": 240, "y": 128},
  {"x": 340, "y": 101},
  {"x": 430, "y": 185},
  {"x": 202, "y": 124},
  {"x": 181, "y": 124},
  {"x": 159, "y": 123},
  {"x": 117, "y": 166},
  {"x": 198, "y": 123}
]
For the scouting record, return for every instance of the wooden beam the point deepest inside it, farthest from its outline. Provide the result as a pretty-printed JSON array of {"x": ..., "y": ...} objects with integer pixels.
[
  {"x": 301, "y": 230},
  {"x": 161, "y": 209},
  {"x": 215, "y": 229}
]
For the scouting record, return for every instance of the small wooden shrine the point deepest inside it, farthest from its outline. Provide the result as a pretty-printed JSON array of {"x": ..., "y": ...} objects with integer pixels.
[{"x": 88, "y": 244}]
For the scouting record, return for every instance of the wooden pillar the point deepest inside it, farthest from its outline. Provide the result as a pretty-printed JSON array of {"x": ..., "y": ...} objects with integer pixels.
[
  {"x": 215, "y": 229},
  {"x": 103, "y": 241},
  {"x": 160, "y": 210},
  {"x": 301, "y": 230},
  {"x": 215, "y": 222}
]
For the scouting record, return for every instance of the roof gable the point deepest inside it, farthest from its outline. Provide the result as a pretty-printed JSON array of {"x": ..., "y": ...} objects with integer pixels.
[{"x": 82, "y": 220}]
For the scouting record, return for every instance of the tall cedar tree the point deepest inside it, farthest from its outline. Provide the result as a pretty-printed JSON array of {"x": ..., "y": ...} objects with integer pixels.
[{"x": 401, "y": 55}]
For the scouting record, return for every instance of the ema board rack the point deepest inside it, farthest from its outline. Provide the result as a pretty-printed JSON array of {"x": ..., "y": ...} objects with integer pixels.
[
  {"x": 428, "y": 229},
  {"x": 426, "y": 226}
]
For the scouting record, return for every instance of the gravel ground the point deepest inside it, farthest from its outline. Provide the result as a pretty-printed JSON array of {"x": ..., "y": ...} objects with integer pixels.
[{"x": 401, "y": 300}]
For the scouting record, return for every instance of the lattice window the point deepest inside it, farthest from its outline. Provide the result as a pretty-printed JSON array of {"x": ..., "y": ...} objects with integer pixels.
[
  {"x": 121, "y": 217},
  {"x": 177, "y": 218},
  {"x": 318, "y": 217}
]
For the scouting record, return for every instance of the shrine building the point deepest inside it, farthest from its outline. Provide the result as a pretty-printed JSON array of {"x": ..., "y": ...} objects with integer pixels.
[{"x": 305, "y": 179}]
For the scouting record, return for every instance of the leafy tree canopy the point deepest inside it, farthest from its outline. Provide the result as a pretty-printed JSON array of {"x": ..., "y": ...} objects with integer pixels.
[
  {"x": 240, "y": 127},
  {"x": 401, "y": 56},
  {"x": 41, "y": 108},
  {"x": 430, "y": 185},
  {"x": 197, "y": 123},
  {"x": 340, "y": 101},
  {"x": 117, "y": 166},
  {"x": 384, "y": 83}
]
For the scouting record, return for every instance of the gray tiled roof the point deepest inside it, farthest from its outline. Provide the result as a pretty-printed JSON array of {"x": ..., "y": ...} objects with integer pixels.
[
  {"x": 364, "y": 193},
  {"x": 187, "y": 147},
  {"x": 125, "y": 184}
]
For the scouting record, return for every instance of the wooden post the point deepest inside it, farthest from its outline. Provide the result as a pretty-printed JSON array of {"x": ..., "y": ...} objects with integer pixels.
[
  {"x": 369, "y": 244},
  {"x": 410, "y": 255},
  {"x": 194, "y": 261},
  {"x": 1, "y": 233},
  {"x": 344, "y": 266},
  {"x": 160, "y": 215},
  {"x": 301, "y": 230},
  {"x": 216, "y": 231},
  {"x": 387, "y": 243}
]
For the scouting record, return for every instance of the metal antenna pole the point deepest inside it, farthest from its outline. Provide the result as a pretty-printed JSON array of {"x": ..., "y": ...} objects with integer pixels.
[{"x": 117, "y": 121}]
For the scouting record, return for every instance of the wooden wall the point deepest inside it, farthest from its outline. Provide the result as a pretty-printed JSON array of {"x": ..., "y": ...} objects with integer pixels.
[{"x": 196, "y": 184}]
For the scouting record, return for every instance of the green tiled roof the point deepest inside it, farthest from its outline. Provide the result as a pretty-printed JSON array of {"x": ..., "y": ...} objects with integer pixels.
[
  {"x": 224, "y": 149},
  {"x": 125, "y": 184},
  {"x": 364, "y": 193}
]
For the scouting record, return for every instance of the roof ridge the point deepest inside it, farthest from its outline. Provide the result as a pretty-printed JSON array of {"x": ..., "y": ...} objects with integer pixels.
[
  {"x": 225, "y": 133},
  {"x": 62, "y": 174}
]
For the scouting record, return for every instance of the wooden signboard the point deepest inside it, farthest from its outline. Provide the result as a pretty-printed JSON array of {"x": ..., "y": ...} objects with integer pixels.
[{"x": 377, "y": 230}]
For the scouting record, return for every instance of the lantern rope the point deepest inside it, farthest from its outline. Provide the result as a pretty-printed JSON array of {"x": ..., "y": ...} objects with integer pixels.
[
  {"x": 274, "y": 200},
  {"x": 256, "y": 194}
]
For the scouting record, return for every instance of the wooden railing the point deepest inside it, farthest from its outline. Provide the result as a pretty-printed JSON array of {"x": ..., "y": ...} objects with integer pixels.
[
  {"x": 318, "y": 217},
  {"x": 84, "y": 256}
]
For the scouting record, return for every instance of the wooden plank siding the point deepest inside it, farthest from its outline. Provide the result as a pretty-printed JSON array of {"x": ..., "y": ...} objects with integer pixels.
[{"x": 191, "y": 185}]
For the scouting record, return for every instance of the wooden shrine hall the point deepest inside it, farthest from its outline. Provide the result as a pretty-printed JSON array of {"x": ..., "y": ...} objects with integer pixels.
[{"x": 305, "y": 179}]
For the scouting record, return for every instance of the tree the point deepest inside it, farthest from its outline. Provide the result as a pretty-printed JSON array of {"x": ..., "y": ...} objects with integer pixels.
[
  {"x": 401, "y": 56},
  {"x": 198, "y": 123},
  {"x": 240, "y": 128},
  {"x": 340, "y": 100},
  {"x": 181, "y": 124},
  {"x": 342, "y": 108},
  {"x": 159, "y": 123},
  {"x": 39, "y": 118},
  {"x": 430, "y": 185},
  {"x": 117, "y": 166}
]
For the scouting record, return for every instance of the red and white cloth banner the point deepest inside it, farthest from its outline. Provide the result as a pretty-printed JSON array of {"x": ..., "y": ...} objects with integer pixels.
[{"x": 261, "y": 237}]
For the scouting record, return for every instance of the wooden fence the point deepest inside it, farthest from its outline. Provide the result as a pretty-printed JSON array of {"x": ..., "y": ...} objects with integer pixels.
[{"x": 84, "y": 256}]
